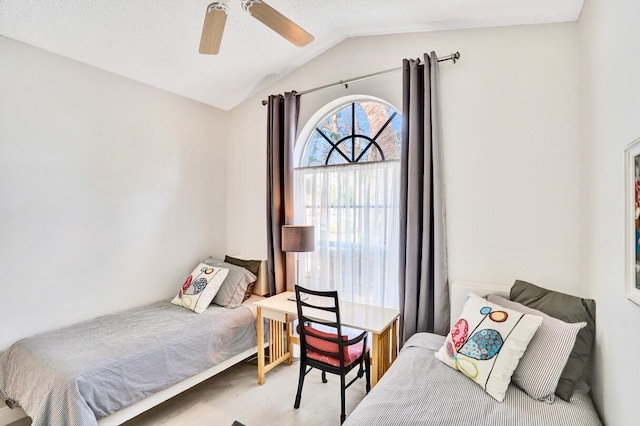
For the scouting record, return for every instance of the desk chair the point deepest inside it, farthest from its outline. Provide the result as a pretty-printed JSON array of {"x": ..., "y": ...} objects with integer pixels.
[{"x": 324, "y": 350}]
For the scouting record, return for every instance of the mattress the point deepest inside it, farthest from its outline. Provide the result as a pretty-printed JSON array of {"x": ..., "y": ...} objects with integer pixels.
[
  {"x": 418, "y": 389},
  {"x": 78, "y": 374}
]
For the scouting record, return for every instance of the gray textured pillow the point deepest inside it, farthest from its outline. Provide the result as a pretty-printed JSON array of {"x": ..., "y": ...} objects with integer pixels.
[
  {"x": 539, "y": 370},
  {"x": 566, "y": 308},
  {"x": 231, "y": 293}
]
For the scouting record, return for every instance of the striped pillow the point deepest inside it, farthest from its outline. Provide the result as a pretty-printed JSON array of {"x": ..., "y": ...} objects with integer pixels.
[{"x": 541, "y": 365}]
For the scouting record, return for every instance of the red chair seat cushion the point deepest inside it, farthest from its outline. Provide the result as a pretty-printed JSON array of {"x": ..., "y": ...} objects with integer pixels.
[{"x": 350, "y": 353}]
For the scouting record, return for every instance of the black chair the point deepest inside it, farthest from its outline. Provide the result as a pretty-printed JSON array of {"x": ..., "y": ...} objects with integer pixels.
[{"x": 324, "y": 350}]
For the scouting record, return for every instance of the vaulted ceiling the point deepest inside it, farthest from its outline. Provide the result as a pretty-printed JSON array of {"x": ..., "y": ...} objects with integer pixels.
[{"x": 156, "y": 41}]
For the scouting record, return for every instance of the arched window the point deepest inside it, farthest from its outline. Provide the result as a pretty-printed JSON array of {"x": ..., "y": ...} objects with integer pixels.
[
  {"x": 357, "y": 132},
  {"x": 346, "y": 185}
]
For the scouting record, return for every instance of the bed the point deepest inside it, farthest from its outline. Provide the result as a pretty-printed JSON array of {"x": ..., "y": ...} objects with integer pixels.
[
  {"x": 109, "y": 369},
  {"x": 419, "y": 389}
]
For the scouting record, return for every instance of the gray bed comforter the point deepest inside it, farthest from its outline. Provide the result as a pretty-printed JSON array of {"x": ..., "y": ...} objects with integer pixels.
[
  {"x": 418, "y": 389},
  {"x": 77, "y": 374}
]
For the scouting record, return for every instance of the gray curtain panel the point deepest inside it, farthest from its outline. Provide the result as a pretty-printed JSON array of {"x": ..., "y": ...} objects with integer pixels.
[
  {"x": 423, "y": 278},
  {"x": 282, "y": 123}
]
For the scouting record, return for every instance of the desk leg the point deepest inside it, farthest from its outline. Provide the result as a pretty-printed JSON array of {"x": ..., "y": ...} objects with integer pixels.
[
  {"x": 383, "y": 352},
  {"x": 394, "y": 340},
  {"x": 289, "y": 341},
  {"x": 375, "y": 358},
  {"x": 279, "y": 349},
  {"x": 260, "y": 328}
]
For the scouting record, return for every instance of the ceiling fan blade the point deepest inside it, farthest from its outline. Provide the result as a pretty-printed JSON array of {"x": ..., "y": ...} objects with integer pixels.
[
  {"x": 277, "y": 22},
  {"x": 213, "y": 28}
]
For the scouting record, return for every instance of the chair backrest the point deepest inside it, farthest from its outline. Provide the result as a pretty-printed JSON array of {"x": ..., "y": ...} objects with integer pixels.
[{"x": 322, "y": 308}]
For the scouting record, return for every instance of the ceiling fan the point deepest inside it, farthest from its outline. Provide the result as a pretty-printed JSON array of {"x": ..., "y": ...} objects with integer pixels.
[{"x": 216, "y": 17}]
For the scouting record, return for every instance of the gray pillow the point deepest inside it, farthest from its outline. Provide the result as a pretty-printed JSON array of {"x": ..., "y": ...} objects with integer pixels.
[
  {"x": 540, "y": 367},
  {"x": 231, "y": 293},
  {"x": 566, "y": 308},
  {"x": 252, "y": 266}
]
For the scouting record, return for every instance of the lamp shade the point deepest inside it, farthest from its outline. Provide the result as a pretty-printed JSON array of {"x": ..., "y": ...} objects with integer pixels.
[{"x": 297, "y": 238}]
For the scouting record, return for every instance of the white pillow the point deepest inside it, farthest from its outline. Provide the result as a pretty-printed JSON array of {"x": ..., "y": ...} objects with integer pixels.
[
  {"x": 487, "y": 342},
  {"x": 541, "y": 365},
  {"x": 200, "y": 287}
]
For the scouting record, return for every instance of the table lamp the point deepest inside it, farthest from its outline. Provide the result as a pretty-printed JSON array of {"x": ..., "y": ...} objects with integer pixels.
[{"x": 297, "y": 239}]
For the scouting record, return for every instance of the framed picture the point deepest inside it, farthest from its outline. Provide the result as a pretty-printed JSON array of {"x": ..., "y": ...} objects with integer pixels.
[{"x": 632, "y": 228}]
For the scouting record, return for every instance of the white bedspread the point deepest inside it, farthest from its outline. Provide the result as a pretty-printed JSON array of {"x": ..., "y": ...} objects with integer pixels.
[{"x": 420, "y": 390}]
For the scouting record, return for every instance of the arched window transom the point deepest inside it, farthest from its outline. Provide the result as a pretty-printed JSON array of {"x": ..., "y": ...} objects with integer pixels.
[{"x": 364, "y": 131}]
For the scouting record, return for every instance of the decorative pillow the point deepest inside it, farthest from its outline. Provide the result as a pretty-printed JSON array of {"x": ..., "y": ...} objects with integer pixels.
[
  {"x": 252, "y": 266},
  {"x": 231, "y": 294},
  {"x": 568, "y": 309},
  {"x": 200, "y": 288},
  {"x": 540, "y": 367},
  {"x": 487, "y": 342}
]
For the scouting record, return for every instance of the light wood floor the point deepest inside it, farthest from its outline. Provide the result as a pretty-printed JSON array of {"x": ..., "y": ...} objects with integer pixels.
[{"x": 235, "y": 395}]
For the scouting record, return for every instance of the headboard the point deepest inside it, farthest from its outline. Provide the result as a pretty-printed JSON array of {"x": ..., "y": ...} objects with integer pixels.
[
  {"x": 262, "y": 286},
  {"x": 459, "y": 290}
]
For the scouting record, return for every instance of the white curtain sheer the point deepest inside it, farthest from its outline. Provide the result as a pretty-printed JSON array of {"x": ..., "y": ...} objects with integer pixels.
[{"x": 354, "y": 209}]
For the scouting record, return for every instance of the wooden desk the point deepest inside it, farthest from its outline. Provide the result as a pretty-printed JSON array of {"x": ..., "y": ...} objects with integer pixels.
[{"x": 281, "y": 312}]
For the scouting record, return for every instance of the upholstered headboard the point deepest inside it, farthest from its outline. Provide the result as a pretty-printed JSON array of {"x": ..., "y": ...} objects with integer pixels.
[{"x": 459, "y": 290}]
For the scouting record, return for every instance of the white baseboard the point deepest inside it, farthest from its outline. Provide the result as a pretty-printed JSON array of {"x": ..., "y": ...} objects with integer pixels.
[{"x": 8, "y": 416}]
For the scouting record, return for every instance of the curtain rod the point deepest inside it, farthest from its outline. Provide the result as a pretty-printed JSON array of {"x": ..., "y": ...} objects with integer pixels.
[{"x": 453, "y": 57}]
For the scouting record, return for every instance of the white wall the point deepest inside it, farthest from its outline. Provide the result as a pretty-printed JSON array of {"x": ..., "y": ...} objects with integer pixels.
[
  {"x": 510, "y": 122},
  {"x": 110, "y": 190},
  {"x": 610, "y": 96}
]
